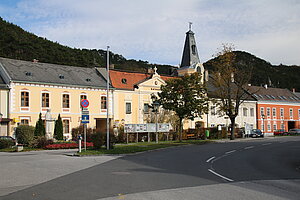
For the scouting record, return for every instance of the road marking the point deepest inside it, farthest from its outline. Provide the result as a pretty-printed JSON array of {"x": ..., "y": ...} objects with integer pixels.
[
  {"x": 250, "y": 147},
  {"x": 228, "y": 152},
  {"x": 266, "y": 144},
  {"x": 208, "y": 160},
  {"x": 219, "y": 175}
]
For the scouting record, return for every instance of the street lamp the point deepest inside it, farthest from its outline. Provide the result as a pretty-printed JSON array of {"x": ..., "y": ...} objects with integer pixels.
[
  {"x": 155, "y": 107},
  {"x": 263, "y": 118}
]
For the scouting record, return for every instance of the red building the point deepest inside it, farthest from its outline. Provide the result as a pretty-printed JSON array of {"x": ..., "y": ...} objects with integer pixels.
[{"x": 276, "y": 109}]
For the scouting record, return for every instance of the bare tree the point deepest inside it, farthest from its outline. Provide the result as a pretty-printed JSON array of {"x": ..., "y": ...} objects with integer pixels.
[{"x": 229, "y": 80}]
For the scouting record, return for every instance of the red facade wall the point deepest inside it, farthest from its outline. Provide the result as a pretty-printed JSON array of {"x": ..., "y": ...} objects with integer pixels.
[{"x": 286, "y": 121}]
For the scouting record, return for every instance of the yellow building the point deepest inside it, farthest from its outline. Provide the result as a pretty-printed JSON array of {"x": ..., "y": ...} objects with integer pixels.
[
  {"x": 132, "y": 94},
  {"x": 40, "y": 87},
  {"x": 4, "y": 115}
]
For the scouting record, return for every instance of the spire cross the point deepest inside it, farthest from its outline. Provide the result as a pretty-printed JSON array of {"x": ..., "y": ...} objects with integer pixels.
[
  {"x": 155, "y": 69},
  {"x": 190, "y": 26}
]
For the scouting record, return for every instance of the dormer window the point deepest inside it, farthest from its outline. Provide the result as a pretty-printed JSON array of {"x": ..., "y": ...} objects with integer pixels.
[
  {"x": 124, "y": 80},
  {"x": 28, "y": 73},
  {"x": 88, "y": 80},
  {"x": 61, "y": 76}
]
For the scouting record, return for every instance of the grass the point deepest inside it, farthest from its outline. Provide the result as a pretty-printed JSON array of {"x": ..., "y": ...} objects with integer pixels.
[{"x": 140, "y": 147}]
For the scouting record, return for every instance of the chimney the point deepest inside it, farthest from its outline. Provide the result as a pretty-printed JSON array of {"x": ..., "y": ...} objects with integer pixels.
[
  {"x": 35, "y": 60},
  {"x": 266, "y": 86},
  {"x": 232, "y": 77},
  {"x": 294, "y": 90}
]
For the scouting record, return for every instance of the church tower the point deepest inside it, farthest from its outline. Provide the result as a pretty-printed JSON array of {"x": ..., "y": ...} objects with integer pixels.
[{"x": 190, "y": 61}]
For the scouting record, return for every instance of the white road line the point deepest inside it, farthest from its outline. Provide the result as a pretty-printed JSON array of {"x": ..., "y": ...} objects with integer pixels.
[
  {"x": 230, "y": 151},
  {"x": 219, "y": 175},
  {"x": 208, "y": 160},
  {"x": 266, "y": 144},
  {"x": 250, "y": 147}
]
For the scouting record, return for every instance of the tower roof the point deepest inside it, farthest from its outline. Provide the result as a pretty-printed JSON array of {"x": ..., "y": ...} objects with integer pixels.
[{"x": 190, "y": 53}]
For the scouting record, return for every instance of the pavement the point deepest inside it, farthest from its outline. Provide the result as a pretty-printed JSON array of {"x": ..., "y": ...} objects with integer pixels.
[{"x": 20, "y": 170}]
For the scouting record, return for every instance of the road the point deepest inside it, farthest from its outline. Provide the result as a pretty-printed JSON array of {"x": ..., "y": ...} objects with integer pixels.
[{"x": 249, "y": 169}]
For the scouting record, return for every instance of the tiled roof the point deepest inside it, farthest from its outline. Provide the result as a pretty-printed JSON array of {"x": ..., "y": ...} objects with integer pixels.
[
  {"x": 273, "y": 94},
  {"x": 35, "y": 72},
  {"x": 127, "y": 80}
]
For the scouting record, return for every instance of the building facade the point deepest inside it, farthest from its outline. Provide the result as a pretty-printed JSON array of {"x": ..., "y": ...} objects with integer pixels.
[
  {"x": 276, "y": 109},
  {"x": 40, "y": 87}
]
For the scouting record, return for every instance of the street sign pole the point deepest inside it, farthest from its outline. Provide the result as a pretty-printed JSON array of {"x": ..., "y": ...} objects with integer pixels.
[
  {"x": 84, "y": 131},
  {"x": 85, "y": 118}
]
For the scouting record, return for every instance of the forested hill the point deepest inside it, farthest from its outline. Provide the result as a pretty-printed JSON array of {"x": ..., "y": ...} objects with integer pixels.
[
  {"x": 280, "y": 76},
  {"x": 16, "y": 43}
]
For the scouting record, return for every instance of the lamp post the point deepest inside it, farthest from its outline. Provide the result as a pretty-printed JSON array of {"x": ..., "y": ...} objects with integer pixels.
[
  {"x": 155, "y": 107},
  {"x": 107, "y": 100},
  {"x": 1, "y": 115},
  {"x": 263, "y": 128}
]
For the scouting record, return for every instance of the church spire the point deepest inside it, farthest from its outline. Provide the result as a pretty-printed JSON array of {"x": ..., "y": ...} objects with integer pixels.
[{"x": 190, "y": 54}]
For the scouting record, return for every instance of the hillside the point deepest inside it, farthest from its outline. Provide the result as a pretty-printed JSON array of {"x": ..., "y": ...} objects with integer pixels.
[
  {"x": 281, "y": 76},
  {"x": 16, "y": 43}
]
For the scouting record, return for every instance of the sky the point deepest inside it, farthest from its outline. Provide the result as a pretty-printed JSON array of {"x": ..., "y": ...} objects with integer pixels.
[{"x": 154, "y": 30}]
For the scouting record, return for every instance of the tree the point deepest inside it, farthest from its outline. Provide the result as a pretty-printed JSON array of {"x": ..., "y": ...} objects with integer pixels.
[
  {"x": 39, "y": 127},
  {"x": 58, "y": 129},
  {"x": 229, "y": 80},
  {"x": 186, "y": 96}
]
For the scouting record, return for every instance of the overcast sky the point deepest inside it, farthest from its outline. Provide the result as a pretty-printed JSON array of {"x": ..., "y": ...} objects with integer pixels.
[{"x": 154, "y": 30}]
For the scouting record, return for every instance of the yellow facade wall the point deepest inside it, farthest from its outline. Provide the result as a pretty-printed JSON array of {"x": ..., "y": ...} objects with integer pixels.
[{"x": 73, "y": 114}]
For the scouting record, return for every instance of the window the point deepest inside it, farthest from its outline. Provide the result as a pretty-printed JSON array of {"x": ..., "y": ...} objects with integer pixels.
[
  {"x": 66, "y": 101},
  {"x": 274, "y": 127},
  {"x": 262, "y": 112},
  {"x": 103, "y": 102},
  {"x": 281, "y": 112},
  {"x": 274, "y": 112},
  {"x": 146, "y": 108},
  {"x": 83, "y": 96},
  {"x": 245, "y": 110},
  {"x": 24, "y": 99},
  {"x": 252, "y": 112},
  {"x": 24, "y": 122},
  {"x": 269, "y": 127},
  {"x": 291, "y": 112},
  {"x": 193, "y": 49},
  {"x": 45, "y": 100},
  {"x": 66, "y": 126},
  {"x": 268, "y": 112},
  {"x": 282, "y": 126},
  {"x": 251, "y": 126},
  {"x": 128, "y": 108}
]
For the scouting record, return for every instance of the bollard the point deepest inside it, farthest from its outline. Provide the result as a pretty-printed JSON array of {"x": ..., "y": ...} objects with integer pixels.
[{"x": 79, "y": 143}]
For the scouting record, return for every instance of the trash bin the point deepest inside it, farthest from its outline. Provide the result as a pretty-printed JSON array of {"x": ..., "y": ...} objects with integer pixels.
[{"x": 207, "y": 133}]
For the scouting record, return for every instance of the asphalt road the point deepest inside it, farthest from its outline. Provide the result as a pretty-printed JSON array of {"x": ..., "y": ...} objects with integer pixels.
[{"x": 250, "y": 169}]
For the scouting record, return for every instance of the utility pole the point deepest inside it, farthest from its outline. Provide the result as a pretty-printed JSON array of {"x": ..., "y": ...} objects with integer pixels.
[{"x": 107, "y": 99}]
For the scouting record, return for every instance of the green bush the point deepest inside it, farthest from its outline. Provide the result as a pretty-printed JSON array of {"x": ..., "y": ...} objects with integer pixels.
[
  {"x": 25, "y": 134},
  {"x": 121, "y": 138},
  {"x": 98, "y": 139},
  {"x": 39, "y": 127},
  {"x": 79, "y": 131},
  {"x": 40, "y": 142},
  {"x": 4, "y": 143},
  {"x": 58, "y": 129}
]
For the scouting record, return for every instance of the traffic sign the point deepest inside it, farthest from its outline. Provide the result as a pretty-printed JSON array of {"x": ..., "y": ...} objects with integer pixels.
[
  {"x": 85, "y": 119},
  {"x": 85, "y": 103}
]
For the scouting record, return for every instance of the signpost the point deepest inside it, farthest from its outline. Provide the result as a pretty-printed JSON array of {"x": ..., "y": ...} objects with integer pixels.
[{"x": 85, "y": 117}]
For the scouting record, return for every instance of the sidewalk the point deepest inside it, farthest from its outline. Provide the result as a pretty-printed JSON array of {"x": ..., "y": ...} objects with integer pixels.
[{"x": 24, "y": 169}]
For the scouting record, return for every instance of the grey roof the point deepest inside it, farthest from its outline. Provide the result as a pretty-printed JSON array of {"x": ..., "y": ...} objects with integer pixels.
[
  {"x": 35, "y": 72},
  {"x": 190, "y": 54},
  {"x": 2, "y": 84},
  {"x": 274, "y": 94}
]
